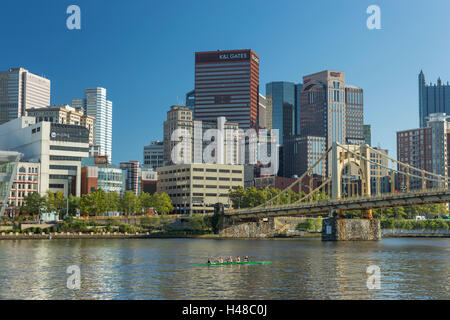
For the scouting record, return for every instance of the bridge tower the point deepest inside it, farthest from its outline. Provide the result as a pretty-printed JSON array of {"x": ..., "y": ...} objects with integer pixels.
[{"x": 343, "y": 156}]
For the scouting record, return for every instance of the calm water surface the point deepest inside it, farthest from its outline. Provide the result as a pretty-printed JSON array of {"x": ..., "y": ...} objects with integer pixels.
[{"x": 163, "y": 269}]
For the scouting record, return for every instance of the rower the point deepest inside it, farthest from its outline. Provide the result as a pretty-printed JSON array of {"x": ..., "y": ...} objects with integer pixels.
[
  {"x": 209, "y": 261},
  {"x": 220, "y": 259},
  {"x": 246, "y": 259},
  {"x": 238, "y": 259},
  {"x": 230, "y": 259}
]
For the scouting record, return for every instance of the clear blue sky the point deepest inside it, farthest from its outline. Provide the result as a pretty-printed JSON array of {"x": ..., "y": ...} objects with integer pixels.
[{"x": 143, "y": 52}]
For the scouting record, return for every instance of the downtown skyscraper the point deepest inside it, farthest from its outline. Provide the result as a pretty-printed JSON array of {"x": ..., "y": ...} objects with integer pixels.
[
  {"x": 331, "y": 111},
  {"x": 227, "y": 85},
  {"x": 95, "y": 104},
  {"x": 433, "y": 98},
  {"x": 21, "y": 90},
  {"x": 284, "y": 107}
]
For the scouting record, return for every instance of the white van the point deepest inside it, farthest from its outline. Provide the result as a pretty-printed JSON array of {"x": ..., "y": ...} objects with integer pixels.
[{"x": 420, "y": 218}]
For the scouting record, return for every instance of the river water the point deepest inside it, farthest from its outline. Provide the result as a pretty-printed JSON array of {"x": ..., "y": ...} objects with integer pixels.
[{"x": 410, "y": 268}]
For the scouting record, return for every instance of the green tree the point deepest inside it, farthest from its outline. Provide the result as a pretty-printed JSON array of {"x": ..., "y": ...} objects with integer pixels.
[
  {"x": 236, "y": 197},
  {"x": 99, "y": 202},
  {"x": 129, "y": 202},
  {"x": 163, "y": 203},
  {"x": 60, "y": 201},
  {"x": 34, "y": 203},
  {"x": 197, "y": 222},
  {"x": 113, "y": 200},
  {"x": 87, "y": 204},
  {"x": 147, "y": 201},
  {"x": 74, "y": 205},
  {"x": 51, "y": 203}
]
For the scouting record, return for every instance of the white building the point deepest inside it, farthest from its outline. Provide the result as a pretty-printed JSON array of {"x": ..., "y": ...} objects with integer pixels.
[
  {"x": 58, "y": 148},
  {"x": 189, "y": 141},
  {"x": 95, "y": 104},
  {"x": 20, "y": 90}
]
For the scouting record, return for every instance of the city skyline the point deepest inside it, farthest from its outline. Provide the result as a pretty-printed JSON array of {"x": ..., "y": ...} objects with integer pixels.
[{"x": 156, "y": 77}]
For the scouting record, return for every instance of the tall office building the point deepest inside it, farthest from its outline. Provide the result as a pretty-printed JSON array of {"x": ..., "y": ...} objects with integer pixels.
[
  {"x": 323, "y": 106},
  {"x": 354, "y": 115},
  {"x": 433, "y": 98},
  {"x": 227, "y": 85},
  {"x": 331, "y": 109},
  {"x": 20, "y": 90},
  {"x": 95, "y": 104},
  {"x": 285, "y": 107},
  {"x": 154, "y": 155}
]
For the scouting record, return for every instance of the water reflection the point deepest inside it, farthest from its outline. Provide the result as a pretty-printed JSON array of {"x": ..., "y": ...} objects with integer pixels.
[{"x": 163, "y": 269}]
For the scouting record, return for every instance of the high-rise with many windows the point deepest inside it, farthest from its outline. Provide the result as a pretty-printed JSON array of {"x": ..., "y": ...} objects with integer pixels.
[
  {"x": 20, "y": 90},
  {"x": 323, "y": 106},
  {"x": 354, "y": 116},
  {"x": 285, "y": 107},
  {"x": 227, "y": 85},
  {"x": 433, "y": 98},
  {"x": 95, "y": 104},
  {"x": 331, "y": 109}
]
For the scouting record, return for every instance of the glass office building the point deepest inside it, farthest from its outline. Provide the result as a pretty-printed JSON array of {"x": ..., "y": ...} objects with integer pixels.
[
  {"x": 433, "y": 98},
  {"x": 285, "y": 106}
]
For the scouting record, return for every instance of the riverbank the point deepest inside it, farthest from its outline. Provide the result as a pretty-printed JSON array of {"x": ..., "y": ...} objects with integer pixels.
[
  {"x": 386, "y": 233},
  {"x": 415, "y": 233},
  {"x": 69, "y": 235}
]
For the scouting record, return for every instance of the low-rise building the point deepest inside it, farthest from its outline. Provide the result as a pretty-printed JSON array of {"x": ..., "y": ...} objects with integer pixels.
[
  {"x": 97, "y": 173},
  {"x": 25, "y": 183},
  {"x": 9, "y": 161},
  {"x": 149, "y": 180},
  {"x": 195, "y": 188},
  {"x": 58, "y": 148}
]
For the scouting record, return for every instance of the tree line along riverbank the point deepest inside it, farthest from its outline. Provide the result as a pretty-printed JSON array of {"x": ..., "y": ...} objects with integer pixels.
[
  {"x": 191, "y": 226},
  {"x": 157, "y": 225}
]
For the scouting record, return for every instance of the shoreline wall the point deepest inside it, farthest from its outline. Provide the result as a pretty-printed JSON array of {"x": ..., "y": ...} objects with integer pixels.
[{"x": 415, "y": 233}]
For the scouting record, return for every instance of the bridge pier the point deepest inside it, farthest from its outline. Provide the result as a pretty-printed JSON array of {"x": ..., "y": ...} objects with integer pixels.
[{"x": 337, "y": 228}]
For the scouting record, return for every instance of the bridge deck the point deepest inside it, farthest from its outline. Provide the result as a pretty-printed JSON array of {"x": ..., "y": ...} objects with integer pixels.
[{"x": 360, "y": 203}]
